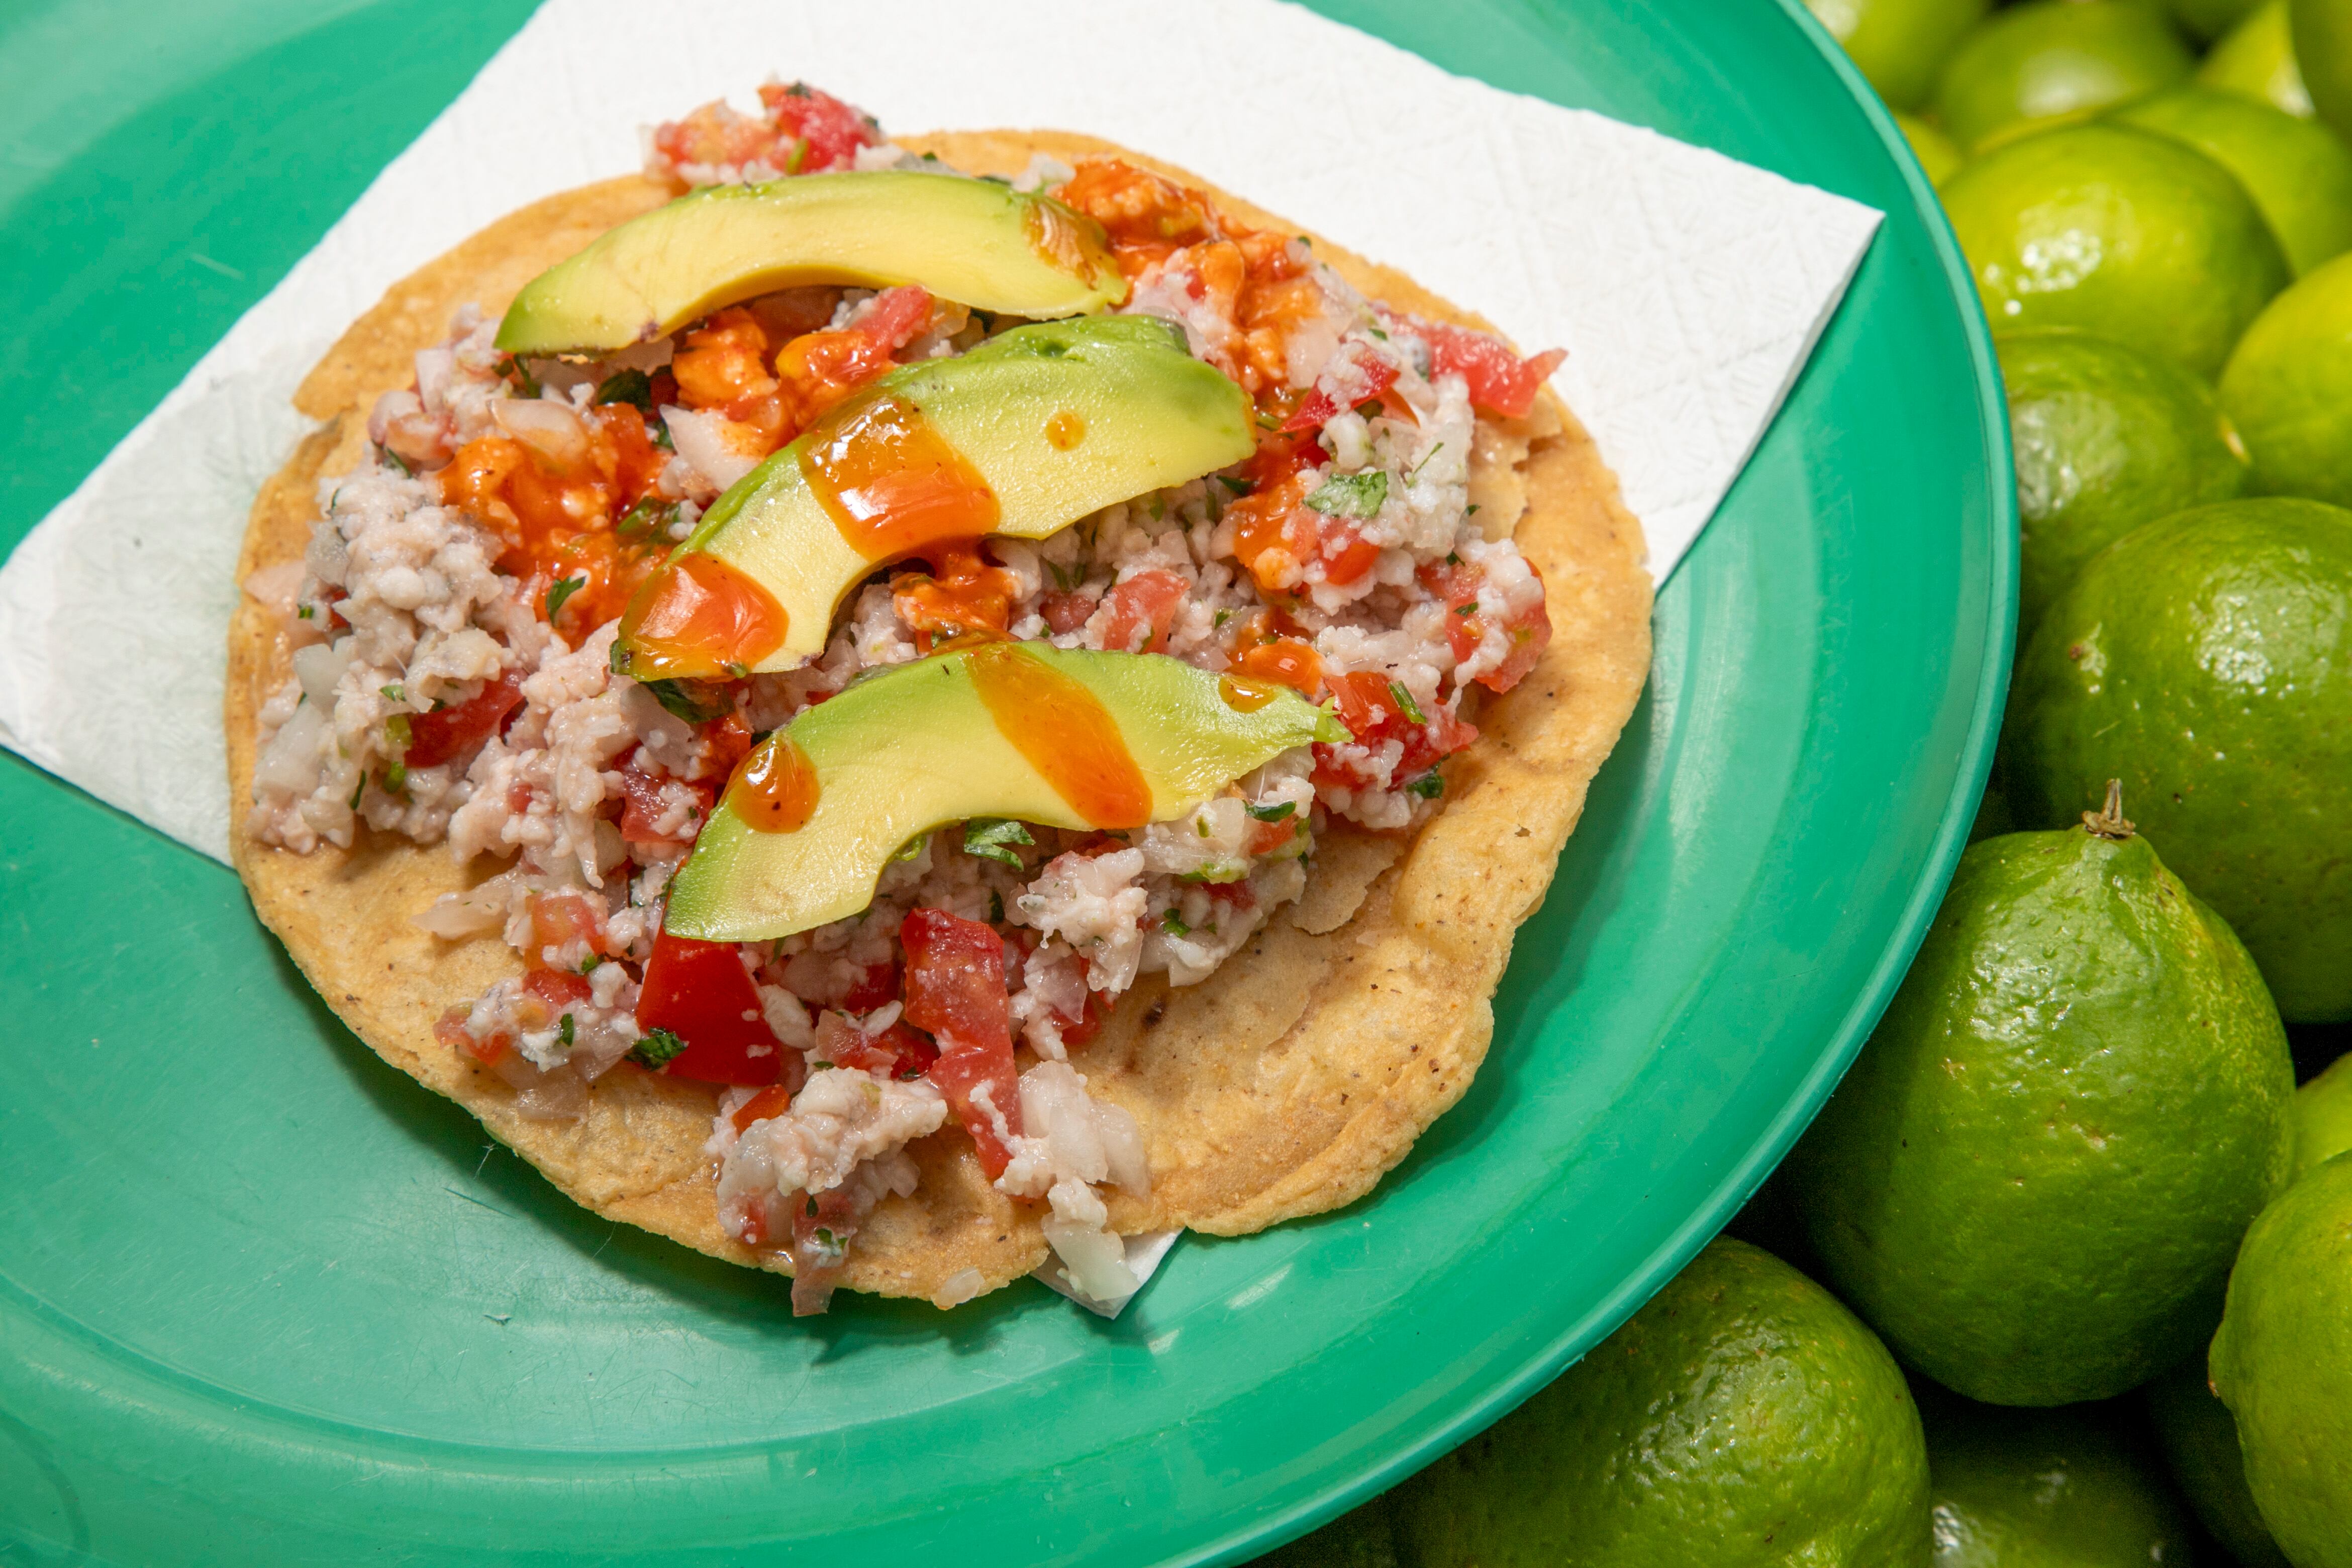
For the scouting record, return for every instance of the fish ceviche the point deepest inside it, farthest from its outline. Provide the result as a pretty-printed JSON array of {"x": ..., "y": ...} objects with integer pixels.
[{"x": 863, "y": 687}]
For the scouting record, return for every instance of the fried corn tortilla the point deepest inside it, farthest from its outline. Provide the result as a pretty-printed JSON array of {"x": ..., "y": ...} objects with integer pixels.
[{"x": 1285, "y": 1085}]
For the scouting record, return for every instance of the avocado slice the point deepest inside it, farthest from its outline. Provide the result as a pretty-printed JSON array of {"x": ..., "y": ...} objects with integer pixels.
[
  {"x": 972, "y": 241},
  {"x": 1027, "y": 433},
  {"x": 1018, "y": 729}
]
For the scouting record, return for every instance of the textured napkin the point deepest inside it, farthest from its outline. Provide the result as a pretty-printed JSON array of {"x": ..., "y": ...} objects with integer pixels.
[{"x": 1688, "y": 288}]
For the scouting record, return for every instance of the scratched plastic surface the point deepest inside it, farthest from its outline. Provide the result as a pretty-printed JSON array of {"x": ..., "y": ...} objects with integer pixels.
[{"x": 264, "y": 1301}]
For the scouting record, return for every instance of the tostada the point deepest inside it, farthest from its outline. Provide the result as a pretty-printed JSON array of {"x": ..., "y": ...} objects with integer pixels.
[{"x": 902, "y": 711}]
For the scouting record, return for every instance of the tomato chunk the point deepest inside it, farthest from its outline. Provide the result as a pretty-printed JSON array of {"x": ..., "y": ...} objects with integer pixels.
[
  {"x": 434, "y": 737},
  {"x": 700, "y": 991},
  {"x": 1145, "y": 604},
  {"x": 1375, "y": 711},
  {"x": 897, "y": 1052},
  {"x": 1498, "y": 379},
  {"x": 1528, "y": 633},
  {"x": 647, "y": 802},
  {"x": 955, "y": 991}
]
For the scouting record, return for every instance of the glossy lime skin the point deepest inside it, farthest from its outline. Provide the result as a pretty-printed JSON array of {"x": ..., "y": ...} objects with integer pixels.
[
  {"x": 2053, "y": 60},
  {"x": 2288, "y": 388},
  {"x": 2282, "y": 1364},
  {"x": 2033, "y": 1178},
  {"x": 1363, "y": 1537},
  {"x": 2323, "y": 1118},
  {"x": 2322, "y": 32},
  {"x": 1742, "y": 1407},
  {"x": 2117, "y": 232},
  {"x": 2298, "y": 171},
  {"x": 2257, "y": 61},
  {"x": 2206, "y": 660},
  {"x": 2046, "y": 1489},
  {"x": 2201, "y": 1447},
  {"x": 1938, "y": 153},
  {"x": 2105, "y": 438},
  {"x": 1899, "y": 45}
]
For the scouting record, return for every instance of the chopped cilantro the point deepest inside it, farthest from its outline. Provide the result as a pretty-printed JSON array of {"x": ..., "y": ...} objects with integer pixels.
[
  {"x": 646, "y": 518},
  {"x": 396, "y": 730},
  {"x": 1062, "y": 580},
  {"x": 1239, "y": 487},
  {"x": 394, "y": 459},
  {"x": 563, "y": 1033},
  {"x": 1469, "y": 609},
  {"x": 1424, "y": 461},
  {"x": 1405, "y": 704},
  {"x": 995, "y": 907},
  {"x": 1274, "y": 813},
  {"x": 588, "y": 964},
  {"x": 395, "y": 692},
  {"x": 912, "y": 847},
  {"x": 993, "y": 838},
  {"x": 305, "y": 612},
  {"x": 1174, "y": 923},
  {"x": 1350, "y": 494},
  {"x": 675, "y": 696},
  {"x": 660, "y": 435},
  {"x": 619, "y": 661},
  {"x": 1217, "y": 622},
  {"x": 1201, "y": 826},
  {"x": 512, "y": 366},
  {"x": 1378, "y": 334},
  {"x": 656, "y": 1049},
  {"x": 1472, "y": 511},
  {"x": 358, "y": 790},
  {"x": 1450, "y": 558},
  {"x": 395, "y": 778},
  {"x": 1428, "y": 787},
  {"x": 558, "y": 592},
  {"x": 633, "y": 386}
]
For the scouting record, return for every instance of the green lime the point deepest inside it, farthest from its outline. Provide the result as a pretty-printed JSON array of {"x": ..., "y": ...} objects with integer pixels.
[
  {"x": 2282, "y": 1364},
  {"x": 1938, "y": 154},
  {"x": 2257, "y": 61},
  {"x": 2322, "y": 31},
  {"x": 2201, "y": 1447},
  {"x": 2288, "y": 388},
  {"x": 1898, "y": 45},
  {"x": 2054, "y": 61},
  {"x": 1361, "y": 1538},
  {"x": 1993, "y": 817},
  {"x": 1743, "y": 1409},
  {"x": 2298, "y": 171},
  {"x": 2033, "y": 1177},
  {"x": 2106, "y": 438},
  {"x": 2206, "y": 660},
  {"x": 2118, "y": 232},
  {"x": 2206, "y": 20},
  {"x": 2045, "y": 1489},
  {"x": 2323, "y": 1117}
]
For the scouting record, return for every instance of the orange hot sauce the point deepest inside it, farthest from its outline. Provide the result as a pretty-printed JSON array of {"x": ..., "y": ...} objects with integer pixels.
[
  {"x": 890, "y": 483},
  {"x": 700, "y": 619},
  {"x": 1065, "y": 733},
  {"x": 775, "y": 790}
]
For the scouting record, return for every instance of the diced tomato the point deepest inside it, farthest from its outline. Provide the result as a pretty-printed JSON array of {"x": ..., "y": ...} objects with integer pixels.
[
  {"x": 451, "y": 1031},
  {"x": 1347, "y": 554},
  {"x": 897, "y": 1052},
  {"x": 955, "y": 991},
  {"x": 435, "y": 738},
  {"x": 725, "y": 741},
  {"x": 1466, "y": 625},
  {"x": 876, "y": 984},
  {"x": 772, "y": 1101},
  {"x": 1274, "y": 535},
  {"x": 1285, "y": 661},
  {"x": 1498, "y": 379},
  {"x": 1319, "y": 407},
  {"x": 700, "y": 991},
  {"x": 1147, "y": 603},
  {"x": 829, "y": 130},
  {"x": 1269, "y": 835},
  {"x": 1370, "y": 707},
  {"x": 559, "y": 988},
  {"x": 558, "y": 918},
  {"x": 646, "y": 803}
]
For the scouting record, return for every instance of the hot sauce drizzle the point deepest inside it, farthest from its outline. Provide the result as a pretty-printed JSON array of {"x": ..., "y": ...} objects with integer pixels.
[
  {"x": 775, "y": 790},
  {"x": 700, "y": 619},
  {"x": 1065, "y": 733},
  {"x": 890, "y": 483}
]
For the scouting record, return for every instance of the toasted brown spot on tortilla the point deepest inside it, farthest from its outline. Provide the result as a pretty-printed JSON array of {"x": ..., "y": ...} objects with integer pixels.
[{"x": 1285, "y": 1085}]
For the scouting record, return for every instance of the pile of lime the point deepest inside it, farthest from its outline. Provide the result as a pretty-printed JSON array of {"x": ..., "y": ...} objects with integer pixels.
[{"x": 2075, "y": 1250}]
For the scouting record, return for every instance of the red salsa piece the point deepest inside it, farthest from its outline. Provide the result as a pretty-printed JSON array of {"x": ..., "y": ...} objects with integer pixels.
[
  {"x": 700, "y": 991},
  {"x": 955, "y": 991}
]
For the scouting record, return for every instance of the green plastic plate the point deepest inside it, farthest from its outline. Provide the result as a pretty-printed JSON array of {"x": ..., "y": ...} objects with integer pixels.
[{"x": 265, "y": 1301}]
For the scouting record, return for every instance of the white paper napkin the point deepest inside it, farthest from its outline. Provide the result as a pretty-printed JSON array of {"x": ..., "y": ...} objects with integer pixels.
[{"x": 1688, "y": 288}]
